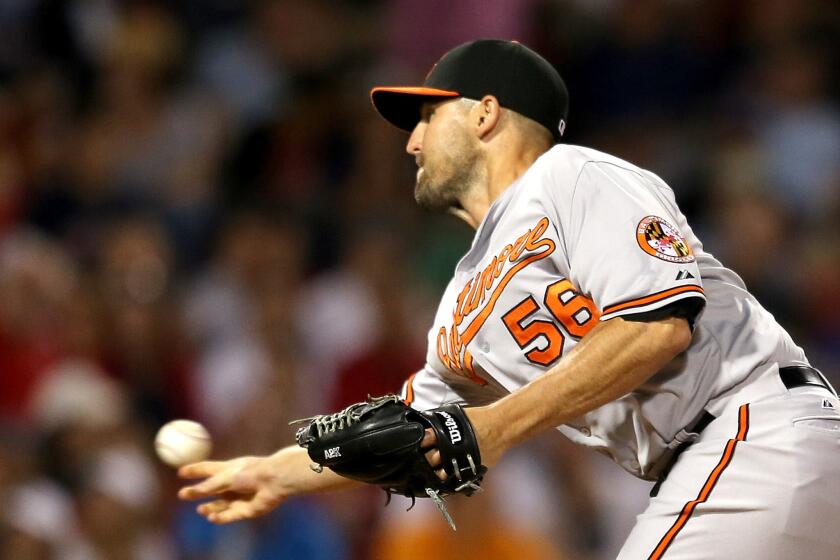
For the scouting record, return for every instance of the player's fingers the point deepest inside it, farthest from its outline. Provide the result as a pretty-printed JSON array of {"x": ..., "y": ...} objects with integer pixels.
[
  {"x": 429, "y": 439},
  {"x": 245, "y": 508},
  {"x": 433, "y": 457},
  {"x": 214, "y": 485},
  {"x": 222, "y": 502},
  {"x": 215, "y": 506},
  {"x": 262, "y": 503},
  {"x": 237, "y": 511},
  {"x": 200, "y": 470}
]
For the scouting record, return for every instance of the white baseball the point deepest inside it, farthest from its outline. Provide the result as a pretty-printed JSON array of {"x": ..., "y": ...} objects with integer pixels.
[{"x": 181, "y": 442}]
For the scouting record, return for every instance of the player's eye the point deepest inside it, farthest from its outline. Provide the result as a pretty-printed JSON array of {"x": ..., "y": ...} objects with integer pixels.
[{"x": 426, "y": 112}]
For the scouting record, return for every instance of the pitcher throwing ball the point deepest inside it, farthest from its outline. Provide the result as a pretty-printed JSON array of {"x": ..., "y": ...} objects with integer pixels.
[{"x": 585, "y": 303}]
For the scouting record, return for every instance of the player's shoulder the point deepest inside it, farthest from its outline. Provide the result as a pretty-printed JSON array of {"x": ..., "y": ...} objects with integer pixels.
[
  {"x": 565, "y": 165},
  {"x": 568, "y": 158}
]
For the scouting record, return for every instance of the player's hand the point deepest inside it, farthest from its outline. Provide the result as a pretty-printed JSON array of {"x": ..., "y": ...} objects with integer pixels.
[
  {"x": 492, "y": 447},
  {"x": 243, "y": 488}
]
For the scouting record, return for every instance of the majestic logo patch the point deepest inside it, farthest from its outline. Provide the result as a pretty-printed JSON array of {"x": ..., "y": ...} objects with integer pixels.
[{"x": 660, "y": 239}]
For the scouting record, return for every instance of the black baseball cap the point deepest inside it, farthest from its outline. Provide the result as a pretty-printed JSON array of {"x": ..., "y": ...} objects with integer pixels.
[{"x": 521, "y": 80}]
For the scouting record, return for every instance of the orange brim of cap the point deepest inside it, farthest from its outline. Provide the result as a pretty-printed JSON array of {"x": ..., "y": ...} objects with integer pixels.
[{"x": 401, "y": 106}]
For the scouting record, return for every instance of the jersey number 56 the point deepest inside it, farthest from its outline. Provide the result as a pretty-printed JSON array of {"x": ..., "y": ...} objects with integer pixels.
[{"x": 571, "y": 309}]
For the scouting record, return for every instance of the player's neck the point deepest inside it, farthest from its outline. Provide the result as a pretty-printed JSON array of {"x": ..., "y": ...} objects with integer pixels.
[{"x": 501, "y": 170}]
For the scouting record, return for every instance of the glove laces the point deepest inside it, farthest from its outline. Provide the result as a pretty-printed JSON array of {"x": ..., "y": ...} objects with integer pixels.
[{"x": 342, "y": 419}]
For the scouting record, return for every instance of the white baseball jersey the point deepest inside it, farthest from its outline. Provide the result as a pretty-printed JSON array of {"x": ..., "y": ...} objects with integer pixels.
[{"x": 583, "y": 237}]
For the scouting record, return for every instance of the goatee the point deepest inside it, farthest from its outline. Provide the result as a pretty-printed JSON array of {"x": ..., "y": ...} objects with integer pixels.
[{"x": 445, "y": 193}]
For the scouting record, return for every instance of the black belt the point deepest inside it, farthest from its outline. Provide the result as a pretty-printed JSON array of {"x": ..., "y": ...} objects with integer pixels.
[
  {"x": 800, "y": 376},
  {"x": 791, "y": 376}
]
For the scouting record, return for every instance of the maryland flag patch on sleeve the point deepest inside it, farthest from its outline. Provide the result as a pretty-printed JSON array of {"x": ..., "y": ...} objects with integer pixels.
[{"x": 660, "y": 239}]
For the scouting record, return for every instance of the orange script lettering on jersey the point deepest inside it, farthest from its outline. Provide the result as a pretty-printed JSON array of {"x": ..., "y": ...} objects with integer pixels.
[{"x": 488, "y": 285}]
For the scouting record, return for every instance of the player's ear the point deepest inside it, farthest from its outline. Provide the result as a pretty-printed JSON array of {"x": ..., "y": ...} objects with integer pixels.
[{"x": 486, "y": 115}]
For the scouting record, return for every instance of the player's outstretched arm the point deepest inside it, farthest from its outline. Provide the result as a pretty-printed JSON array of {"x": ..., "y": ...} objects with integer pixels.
[
  {"x": 248, "y": 487},
  {"x": 615, "y": 358}
]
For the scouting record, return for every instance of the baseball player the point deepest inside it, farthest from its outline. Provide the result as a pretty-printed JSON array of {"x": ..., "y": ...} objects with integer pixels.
[{"x": 587, "y": 302}]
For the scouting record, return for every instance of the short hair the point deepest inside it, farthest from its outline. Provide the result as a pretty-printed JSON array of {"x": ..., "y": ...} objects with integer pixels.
[{"x": 527, "y": 127}]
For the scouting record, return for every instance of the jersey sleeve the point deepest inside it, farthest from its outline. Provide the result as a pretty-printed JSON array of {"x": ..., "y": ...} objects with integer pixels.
[
  {"x": 625, "y": 247},
  {"x": 425, "y": 390}
]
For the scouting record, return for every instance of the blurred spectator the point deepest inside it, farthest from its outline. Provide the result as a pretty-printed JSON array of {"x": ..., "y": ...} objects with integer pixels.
[
  {"x": 38, "y": 280},
  {"x": 38, "y": 521},
  {"x": 496, "y": 523},
  {"x": 298, "y": 529},
  {"x": 145, "y": 348},
  {"x": 116, "y": 502},
  {"x": 798, "y": 127},
  {"x": 819, "y": 281},
  {"x": 378, "y": 305},
  {"x": 241, "y": 70},
  {"x": 392, "y": 351},
  {"x": 260, "y": 258},
  {"x": 417, "y": 30}
]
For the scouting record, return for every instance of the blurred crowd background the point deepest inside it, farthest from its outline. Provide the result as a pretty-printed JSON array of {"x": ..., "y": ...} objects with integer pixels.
[{"x": 202, "y": 216}]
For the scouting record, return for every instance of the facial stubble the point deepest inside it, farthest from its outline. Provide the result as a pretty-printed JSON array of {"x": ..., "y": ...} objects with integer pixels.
[{"x": 447, "y": 177}]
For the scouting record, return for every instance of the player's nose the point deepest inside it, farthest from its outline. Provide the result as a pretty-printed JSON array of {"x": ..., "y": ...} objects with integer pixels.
[{"x": 414, "y": 146}]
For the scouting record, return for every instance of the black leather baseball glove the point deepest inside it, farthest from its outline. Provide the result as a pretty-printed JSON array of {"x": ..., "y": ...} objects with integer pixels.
[{"x": 378, "y": 442}]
